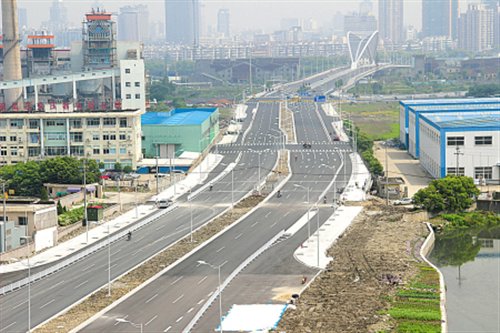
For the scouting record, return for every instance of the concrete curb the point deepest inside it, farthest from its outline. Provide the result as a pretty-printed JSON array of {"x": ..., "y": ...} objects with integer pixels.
[{"x": 425, "y": 249}]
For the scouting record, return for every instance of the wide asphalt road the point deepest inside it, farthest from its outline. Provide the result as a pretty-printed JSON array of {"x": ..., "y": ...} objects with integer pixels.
[
  {"x": 170, "y": 302},
  {"x": 56, "y": 292}
]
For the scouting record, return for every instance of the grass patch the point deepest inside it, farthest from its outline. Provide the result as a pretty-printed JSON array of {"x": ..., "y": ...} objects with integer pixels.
[
  {"x": 418, "y": 327},
  {"x": 416, "y": 307}
]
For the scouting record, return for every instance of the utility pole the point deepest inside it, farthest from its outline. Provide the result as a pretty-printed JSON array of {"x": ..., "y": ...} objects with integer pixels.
[
  {"x": 157, "y": 174},
  {"x": 4, "y": 218},
  {"x": 386, "y": 177},
  {"x": 457, "y": 166},
  {"x": 85, "y": 217}
]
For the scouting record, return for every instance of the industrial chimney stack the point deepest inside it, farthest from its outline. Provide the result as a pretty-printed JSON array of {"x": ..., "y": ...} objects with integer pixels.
[{"x": 11, "y": 52}]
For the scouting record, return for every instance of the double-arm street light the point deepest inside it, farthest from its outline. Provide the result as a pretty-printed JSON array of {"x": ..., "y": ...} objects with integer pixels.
[
  {"x": 122, "y": 320},
  {"x": 4, "y": 217},
  {"x": 201, "y": 262},
  {"x": 308, "y": 208},
  {"x": 232, "y": 182},
  {"x": 28, "y": 238},
  {"x": 334, "y": 183}
]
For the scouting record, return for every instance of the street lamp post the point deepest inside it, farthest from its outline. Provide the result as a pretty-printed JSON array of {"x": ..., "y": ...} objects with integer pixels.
[
  {"x": 109, "y": 261},
  {"x": 201, "y": 262},
  {"x": 28, "y": 238},
  {"x": 258, "y": 181},
  {"x": 122, "y": 320},
  {"x": 85, "y": 216},
  {"x": 317, "y": 230},
  {"x": 308, "y": 209},
  {"x": 4, "y": 218},
  {"x": 191, "y": 213}
]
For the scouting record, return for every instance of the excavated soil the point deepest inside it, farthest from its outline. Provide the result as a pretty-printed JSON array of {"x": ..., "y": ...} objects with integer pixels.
[{"x": 350, "y": 294}]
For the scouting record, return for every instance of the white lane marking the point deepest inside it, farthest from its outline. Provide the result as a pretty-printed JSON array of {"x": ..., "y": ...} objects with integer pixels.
[
  {"x": 222, "y": 248},
  {"x": 160, "y": 227},
  {"x": 150, "y": 320},
  {"x": 179, "y": 319},
  {"x": 255, "y": 223},
  {"x": 15, "y": 307},
  {"x": 190, "y": 310},
  {"x": 119, "y": 322},
  {"x": 181, "y": 226},
  {"x": 81, "y": 284},
  {"x": 116, "y": 252},
  {"x": 225, "y": 262},
  {"x": 60, "y": 282},
  {"x": 176, "y": 280},
  {"x": 201, "y": 301},
  {"x": 6, "y": 327},
  {"x": 151, "y": 298},
  {"x": 50, "y": 302},
  {"x": 286, "y": 213},
  {"x": 210, "y": 294},
  {"x": 201, "y": 281},
  {"x": 272, "y": 225},
  {"x": 112, "y": 266},
  {"x": 167, "y": 329},
  {"x": 133, "y": 254},
  {"x": 83, "y": 270},
  {"x": 178, "y": 299},
  {"x": 267, "y": 214},
  {"x": 138, "y": 239},
  {"x": 238, "y": 236}
]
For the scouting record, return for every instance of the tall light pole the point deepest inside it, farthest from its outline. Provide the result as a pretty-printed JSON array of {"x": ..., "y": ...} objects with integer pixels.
[
  {"x": 258, "y": 181},
  {"x": 109, "y": 261},
  {"x": 308, "y": 209},
  {"x": 317, "y": 231},
  {"x": 157, "y": 172},
  {"x": 334, "y": 183},
  {"x": 122, "y": 320},
  {"x": 85, "y": 216},
  {"x": 28, "y": 238},
  {"x": 4, "y": 218},
  {"x": 201, "y": 262},
  {"x": 191, "y": 212}
]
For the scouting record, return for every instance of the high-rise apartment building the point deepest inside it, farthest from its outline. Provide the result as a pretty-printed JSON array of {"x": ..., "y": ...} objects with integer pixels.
[
  {"x": 182, "y": 22},
  {"x": 440, "y": 18},
  {"x": 133, "y": 23},
  {"x": 390, "y": 21},
  {"x": 223, "y": 22},
  {"x": 58, "y": 19},
  {"x": 365, "y": 8},
  {"x": 360, "y": 23},
  {"x": 476, "y": 28}
]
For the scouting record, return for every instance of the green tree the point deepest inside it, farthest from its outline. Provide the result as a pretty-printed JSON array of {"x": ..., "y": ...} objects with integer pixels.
[
  {"x": 118, "y": 167},
  {"x": 450, "y": 194},
  {"x": 127, "y": 169},
  {"x": 44, "y": 196}
]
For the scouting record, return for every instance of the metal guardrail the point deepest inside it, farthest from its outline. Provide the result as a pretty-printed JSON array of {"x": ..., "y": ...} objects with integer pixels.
[
  {"x": 212, "y": 298},
  {"x": 82, "y": 254}
]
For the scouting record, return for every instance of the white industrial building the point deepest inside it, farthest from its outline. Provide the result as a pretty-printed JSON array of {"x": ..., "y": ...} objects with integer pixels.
[{"x": 461, "y": 143}]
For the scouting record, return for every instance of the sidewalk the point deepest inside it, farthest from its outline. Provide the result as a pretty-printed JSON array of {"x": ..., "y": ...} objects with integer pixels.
[
  {"x": 317, "y": 245},
  {"x": 95, "y": 234},
  {"x": 337, "y": 125}
]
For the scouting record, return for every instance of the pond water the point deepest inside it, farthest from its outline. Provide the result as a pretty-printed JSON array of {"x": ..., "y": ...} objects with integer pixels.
[{"x": 470, "y": 263}]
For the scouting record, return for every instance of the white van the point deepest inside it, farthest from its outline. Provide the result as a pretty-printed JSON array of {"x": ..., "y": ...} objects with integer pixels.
[{"x": 163, "y": 203}]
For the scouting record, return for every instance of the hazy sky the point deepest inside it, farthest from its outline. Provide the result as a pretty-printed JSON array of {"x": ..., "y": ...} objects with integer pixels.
[{"x": 245, "y": 14}]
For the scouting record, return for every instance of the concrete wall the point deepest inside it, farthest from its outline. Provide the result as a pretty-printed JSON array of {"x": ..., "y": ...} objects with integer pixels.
[{"x": 430, "y": 149}]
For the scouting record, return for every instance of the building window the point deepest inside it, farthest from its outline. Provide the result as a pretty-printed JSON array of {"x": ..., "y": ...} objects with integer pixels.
[
  {"x": 123, "y": 150},
  {"x": 56, "y": 151},
  {"x": 123, "y": 137},
  {"x": 453, "y": 171},
  {"x": 127, "y": 70},
  {"x": 16, "y": 123},
  {"x": 128, "y": 84},
  {"x": 95, "y": 137},
  {"x": 109, "y": 122},
  {"x": 123, "y": 122},
  {"x": 456, "y": 141},
  {"x": 34, "y": 124},
  {"x": 22, "y": 220},
  {"x": 56, "y": 136},
  {"x": 483, "y": 140},
  {"x": 128, "y": 96},
  {"x": 3, "y": 138},
  {"x": 105, "y": 151},
  {"x": 483, "y": 173},
  {"x": 76, "y": 150},
  {"x": 76, "y": 137},
  {"x": 96, "y": 151},
  {"x": 93, "y": 122},
  {"x": 75, "y": 123},
  {"x": 13, "y": 151},
  {"x": 13, "y": 138},
  {"x": 137, "y": 84},
  {"x": 137, "y": 96},
  {"x": 33, "y": 151},
  {"x": 3, "y": 151},
  {"x": 3, "y": 123}
]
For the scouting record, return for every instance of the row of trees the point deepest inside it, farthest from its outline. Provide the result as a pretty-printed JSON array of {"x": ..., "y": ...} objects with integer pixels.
[
  {"x": 484, "y": 90},
  {"x": 27, "y": 179},
  {"x": 365, "y": 147}
]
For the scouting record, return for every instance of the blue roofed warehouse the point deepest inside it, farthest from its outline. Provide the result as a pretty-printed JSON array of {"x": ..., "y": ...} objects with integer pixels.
[{"x": 169, "y": 134}]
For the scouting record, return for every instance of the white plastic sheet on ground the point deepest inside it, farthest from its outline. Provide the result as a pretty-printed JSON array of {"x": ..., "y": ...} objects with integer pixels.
[{"x": 253, "y": 317}]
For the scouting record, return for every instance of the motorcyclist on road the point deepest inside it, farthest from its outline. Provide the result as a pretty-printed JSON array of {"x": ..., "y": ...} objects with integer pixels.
[
  {"x": 129, "y": 235},
  {"x": 211, "y": 187},
  {"x": 324, "y": 199},
  {"x": 279, "y": 193}
]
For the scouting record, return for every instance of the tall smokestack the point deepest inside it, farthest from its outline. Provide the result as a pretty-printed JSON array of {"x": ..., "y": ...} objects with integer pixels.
[{"x": 11, "y": 51}]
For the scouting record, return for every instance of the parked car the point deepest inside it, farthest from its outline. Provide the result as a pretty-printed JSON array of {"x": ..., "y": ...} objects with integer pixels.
[
  {"x": 163, "y": 203},
  {"x": 404, "y": 201}
]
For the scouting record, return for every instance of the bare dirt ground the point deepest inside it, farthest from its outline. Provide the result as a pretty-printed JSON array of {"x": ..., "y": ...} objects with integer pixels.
[{"x": 349, "y": 295}]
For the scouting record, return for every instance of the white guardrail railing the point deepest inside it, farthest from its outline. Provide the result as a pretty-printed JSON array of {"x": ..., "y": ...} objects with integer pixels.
[
  {"x": 82, "y": 254},
  {"x": 228, "y": 280}
]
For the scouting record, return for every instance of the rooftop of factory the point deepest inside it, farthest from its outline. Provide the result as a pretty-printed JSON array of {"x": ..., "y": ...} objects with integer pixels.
[
  {"x": 176, "y": 117},
  {"x": 456, "y": 107},
  {"x": 449, "y": 101},
  {"x": 486, "y": 120}
]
